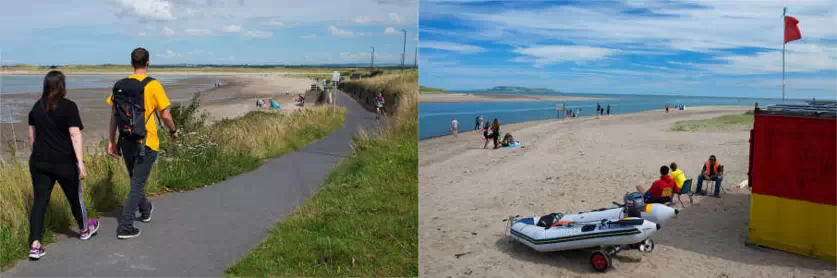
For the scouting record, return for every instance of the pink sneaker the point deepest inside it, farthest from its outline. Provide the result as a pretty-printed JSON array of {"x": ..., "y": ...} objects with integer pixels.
[
  {"x": 92, "y": 228},
  {"x": 36, "y": 253}
]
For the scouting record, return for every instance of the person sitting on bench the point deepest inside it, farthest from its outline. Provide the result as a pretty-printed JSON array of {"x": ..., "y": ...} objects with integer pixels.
[
  {"x": 661, "y": 190},
  {"x": 712, "y": 171}
]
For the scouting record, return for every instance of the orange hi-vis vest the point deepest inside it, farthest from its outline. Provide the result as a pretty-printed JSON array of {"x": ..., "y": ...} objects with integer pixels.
[{"x": 715, "y": 170}]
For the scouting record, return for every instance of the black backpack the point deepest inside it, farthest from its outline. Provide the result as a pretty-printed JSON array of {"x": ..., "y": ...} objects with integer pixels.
[{"x": 129, "y": 107}]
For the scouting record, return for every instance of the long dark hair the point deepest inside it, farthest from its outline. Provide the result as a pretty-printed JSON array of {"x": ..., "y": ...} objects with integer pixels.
[{"x": 55, "y": 88}]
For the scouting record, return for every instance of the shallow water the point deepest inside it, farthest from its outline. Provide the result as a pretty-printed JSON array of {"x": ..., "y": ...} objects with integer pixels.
[{"x": 435, "y": 118}]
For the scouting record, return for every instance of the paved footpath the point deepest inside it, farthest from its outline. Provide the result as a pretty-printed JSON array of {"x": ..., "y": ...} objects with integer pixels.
[{"x": 201, "y": 232}]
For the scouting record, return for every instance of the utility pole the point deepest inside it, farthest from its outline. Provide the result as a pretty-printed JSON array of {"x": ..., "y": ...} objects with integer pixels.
[
  {"x": 372, "y": 63},
  {"x": 404, "y": 51},
  {"x": 415, "y": 59}
]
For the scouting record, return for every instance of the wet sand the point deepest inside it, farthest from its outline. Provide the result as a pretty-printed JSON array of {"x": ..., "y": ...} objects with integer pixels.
[
  {"x": 457, "y": 97},
  {"x": 575, "y": 165},
  {"x": 235, "y": 98}
]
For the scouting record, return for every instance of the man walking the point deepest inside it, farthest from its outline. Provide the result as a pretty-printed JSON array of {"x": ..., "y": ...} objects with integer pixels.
[{"x": 133, "y": 96}]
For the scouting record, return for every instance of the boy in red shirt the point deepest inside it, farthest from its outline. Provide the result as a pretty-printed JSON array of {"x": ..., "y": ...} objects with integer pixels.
[{"x": 664, "y": 184}]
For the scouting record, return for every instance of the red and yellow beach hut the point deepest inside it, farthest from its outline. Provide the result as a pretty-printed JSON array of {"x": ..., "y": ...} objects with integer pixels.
[{"x": 793, "y": 174}]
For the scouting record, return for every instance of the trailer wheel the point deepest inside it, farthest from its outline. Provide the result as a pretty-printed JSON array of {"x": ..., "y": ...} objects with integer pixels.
[
  {"x": 600, "y": 260},
  {"x": 646, "y": 246}
]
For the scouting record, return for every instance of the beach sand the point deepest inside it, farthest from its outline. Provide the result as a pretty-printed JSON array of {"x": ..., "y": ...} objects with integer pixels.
[
  {"x": 457, "y": 97},
  {"x": 235, "y": 98},
  {"x": 581, "y": 164}
]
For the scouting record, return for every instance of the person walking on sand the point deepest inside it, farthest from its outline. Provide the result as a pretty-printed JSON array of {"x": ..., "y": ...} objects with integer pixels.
[
  {"x": 454, "y": 124},
  {"x": 142, "y": 97},
  {"x": 55, "y": 137},
  {"x": 495, "y": 132},
  {"x": 666, "y": 107},
  {"x": 608, "y": 109},
  {"x": 478, "y": 123}
]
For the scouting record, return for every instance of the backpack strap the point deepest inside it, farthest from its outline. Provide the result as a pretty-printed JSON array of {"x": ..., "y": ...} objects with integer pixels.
[{"x": 144, "y": 83}]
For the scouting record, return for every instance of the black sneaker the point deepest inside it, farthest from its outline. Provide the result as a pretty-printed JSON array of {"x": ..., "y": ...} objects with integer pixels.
[
  {"x": 126, "y": 234},
  {"x": 146, "y": 217}
]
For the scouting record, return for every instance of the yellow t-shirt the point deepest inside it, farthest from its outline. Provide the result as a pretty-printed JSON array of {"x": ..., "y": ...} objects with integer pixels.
[
  {"x": 679, "y": 177},
  {"x": 155, "y": 100}
]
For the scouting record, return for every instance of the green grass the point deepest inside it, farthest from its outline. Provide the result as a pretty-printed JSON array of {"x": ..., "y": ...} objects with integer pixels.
[
  {"x": 202, "y": 156},
  {"x": 721, "y": 123},
  {"x": 429, "y": 90},
  {"x": 364, "y": 220}
]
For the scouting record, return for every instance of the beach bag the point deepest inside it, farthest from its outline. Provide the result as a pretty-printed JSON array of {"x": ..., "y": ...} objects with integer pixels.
[{"x": 129, "y": 107}]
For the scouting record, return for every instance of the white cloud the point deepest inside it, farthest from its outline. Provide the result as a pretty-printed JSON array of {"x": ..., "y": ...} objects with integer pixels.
[
  {"x": 714, "y": 28},
  {"x": 197, "y": 32},
  {"x": 451, "y": 46},
  {"x": 148, "y": 9},
  {"x": 276, "y": 23},
  {"x": 232, "y": 28},
  {"x": 141, "y": 34},
  {"x": 394, "y": 17},
  {"x": 364, "y": 19},
  {"x": 308, "y": 37},
  {"x": 258, "y": 34},
  {"x": 799, "y": 58},
  {"x": 171, "y": 54},
  {"x": 340, "y": 33},
  {"x": 390, "y": 31},
  {"x": 550, "y": 54},
  {"x": 168, "y": 31}
]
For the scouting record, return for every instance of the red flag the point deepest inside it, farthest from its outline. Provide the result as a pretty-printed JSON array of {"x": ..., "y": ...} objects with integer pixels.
[{"x": 791, "y": 30}]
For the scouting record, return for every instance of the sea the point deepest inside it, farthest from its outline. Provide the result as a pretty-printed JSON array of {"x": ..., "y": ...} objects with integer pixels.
[{"x": 435, "y": 118}]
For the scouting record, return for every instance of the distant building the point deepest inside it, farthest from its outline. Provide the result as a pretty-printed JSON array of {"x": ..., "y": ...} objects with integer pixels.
[{"x": 355, "y": 76}]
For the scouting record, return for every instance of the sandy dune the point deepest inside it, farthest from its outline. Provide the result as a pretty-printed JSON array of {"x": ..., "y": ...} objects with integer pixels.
[{"x": 582, "y": 164}]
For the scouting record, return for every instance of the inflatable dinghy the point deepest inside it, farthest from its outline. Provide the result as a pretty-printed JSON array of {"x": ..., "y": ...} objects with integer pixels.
[
  {"x": 633, "y": 207},
  {"x": 581, "y": 235}
]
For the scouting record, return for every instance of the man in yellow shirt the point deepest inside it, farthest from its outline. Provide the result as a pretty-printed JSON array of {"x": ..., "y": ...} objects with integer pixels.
[
  {"x": 678, "y": 176},
  {"x": 138, "y": 143}
]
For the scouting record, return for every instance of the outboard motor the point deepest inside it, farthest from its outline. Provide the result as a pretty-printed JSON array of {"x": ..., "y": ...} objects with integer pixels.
[{"x": 634, "y": 204}]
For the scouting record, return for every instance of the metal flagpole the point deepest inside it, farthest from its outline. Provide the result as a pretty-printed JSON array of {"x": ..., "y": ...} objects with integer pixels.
[{"x": 784, "y": 25}]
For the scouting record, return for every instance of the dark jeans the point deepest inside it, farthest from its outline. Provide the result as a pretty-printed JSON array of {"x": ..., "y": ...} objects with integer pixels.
[
  {"x": 717, "y": 180},
  {"x": 44, "y": 176},
  {"x": 139, "y": 167}
]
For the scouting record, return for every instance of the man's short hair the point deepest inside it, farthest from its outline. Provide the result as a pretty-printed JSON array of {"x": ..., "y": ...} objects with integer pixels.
[
  {"x": 664, "y": 170},
  {"x": 139, "y": 58},
  {"x": 712, "y": 157},
  {"x": 673, "y": 166}
]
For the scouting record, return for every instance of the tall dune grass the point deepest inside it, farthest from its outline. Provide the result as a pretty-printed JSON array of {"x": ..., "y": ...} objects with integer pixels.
[{"x": 204, "y": 155}]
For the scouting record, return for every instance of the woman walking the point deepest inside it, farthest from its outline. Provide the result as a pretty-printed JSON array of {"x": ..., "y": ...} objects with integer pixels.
[{"x": 55, "y": 135}]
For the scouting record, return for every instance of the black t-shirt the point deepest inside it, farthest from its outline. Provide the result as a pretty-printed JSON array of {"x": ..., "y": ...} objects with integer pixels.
[{"x": 52, "y": 140}]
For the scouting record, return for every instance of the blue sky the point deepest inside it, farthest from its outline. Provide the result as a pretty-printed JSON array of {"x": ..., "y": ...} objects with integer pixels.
[
  {"x": 207, "y": 31},
  {"x": 699, "y": 47}
]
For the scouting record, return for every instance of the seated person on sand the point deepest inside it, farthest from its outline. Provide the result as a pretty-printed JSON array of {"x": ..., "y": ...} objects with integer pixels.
[
  {"x": 508, "y": 140},
  {"x": 678, "y": 176},
  {"x": 661, "y": 190},
  {"x": 712, "y": 171}
]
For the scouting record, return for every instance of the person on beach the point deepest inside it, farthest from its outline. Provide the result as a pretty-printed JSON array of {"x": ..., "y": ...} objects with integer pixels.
[
  {"x": 485, "y": 134},
  {"x": 712, "y": 171},
  {"x": 608, "y": 109},
  {"x": 579, "y": 112},
  {"x": 478, "y": 123},
  {"x": 678, "y": 176},
  {"x": 454, "y": 124},
  {"x": 508, "y": 140},
  {"x": 260, "y": 103},
  {"x": 379, "y": 106},
  {"x": 138, "y": 150},
  {"x": 661, "y": 190},
  {"x": 55, "y": 137},
  {"x": 598, "y": 109},
  {"x": 666, "y": 107},
  {"x": 495, "y": 132}
]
